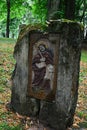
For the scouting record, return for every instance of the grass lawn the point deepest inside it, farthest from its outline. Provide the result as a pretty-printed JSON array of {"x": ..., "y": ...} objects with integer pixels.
[
  {"x": 11, "y": 121},
  {"x": 7, "y": 40}
]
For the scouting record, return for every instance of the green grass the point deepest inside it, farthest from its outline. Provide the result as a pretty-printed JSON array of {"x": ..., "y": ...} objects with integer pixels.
[
  {"x": 83, "y": 125},
  {"x": 81, "y": 114},
  {"x": 83, "y": 70},
  {"x": 7, "y": 40},
  {"x": 84, "y": 56},
  {"x": 2, "y": 89},
  {"x": 5, "y": 126},
  {"x": 6, "y": 62}
]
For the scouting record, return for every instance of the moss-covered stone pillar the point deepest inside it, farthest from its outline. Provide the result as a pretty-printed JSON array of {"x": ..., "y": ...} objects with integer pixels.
[{"x": 57, "y": 113}]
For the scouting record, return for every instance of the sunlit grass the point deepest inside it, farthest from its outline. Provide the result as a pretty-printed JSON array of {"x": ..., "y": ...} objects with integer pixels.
[
  {"x": 6, "y": 63},
  {"x": 5, "y": 126},
  {"x": 7, "y": 40},
  {"x": 84, "y": 56}
]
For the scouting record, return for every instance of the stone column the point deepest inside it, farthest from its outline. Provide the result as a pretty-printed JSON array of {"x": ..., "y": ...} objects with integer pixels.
[{"x": 59, "y": 113}]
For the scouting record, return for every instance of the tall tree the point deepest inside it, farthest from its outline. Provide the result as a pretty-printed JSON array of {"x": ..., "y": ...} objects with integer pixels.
[
  {"x": 8, "y": 18},
  {"x": 39, "y": 10},
  {"x": 70, "y": 9},
  {"x": 65, "y": 7},
  {"x": 31, "y": 11},
  {"x": 53, "y": 6}
]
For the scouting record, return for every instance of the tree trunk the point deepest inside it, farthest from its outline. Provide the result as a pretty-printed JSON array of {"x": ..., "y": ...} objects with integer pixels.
[
  {"x": 8, "y": 18},
  {"x": 53, "y": 6},
  {"x": 70, "y": 9}
]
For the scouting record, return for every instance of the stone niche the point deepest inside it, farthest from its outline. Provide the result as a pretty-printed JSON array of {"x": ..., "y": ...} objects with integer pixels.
[{"x": 46, "y": 75}]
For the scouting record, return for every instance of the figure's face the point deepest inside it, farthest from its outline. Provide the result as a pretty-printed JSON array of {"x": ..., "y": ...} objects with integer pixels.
[{"x": 42, "y": 48}]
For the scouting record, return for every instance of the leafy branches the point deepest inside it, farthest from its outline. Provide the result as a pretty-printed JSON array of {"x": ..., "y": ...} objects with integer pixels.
[
  {"x": 81, "y": 7},
  {"x": 84, "y": 10},
  {"x": 34, "y": 11},
  {"x": 39, "y": 10}
]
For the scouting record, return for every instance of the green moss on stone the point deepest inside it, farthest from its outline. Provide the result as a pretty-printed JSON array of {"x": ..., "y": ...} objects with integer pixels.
[{"x": 26, "y": 29}]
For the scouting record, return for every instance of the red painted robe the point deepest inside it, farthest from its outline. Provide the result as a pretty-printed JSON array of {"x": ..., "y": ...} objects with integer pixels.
[{"x": 39, "y": 73}]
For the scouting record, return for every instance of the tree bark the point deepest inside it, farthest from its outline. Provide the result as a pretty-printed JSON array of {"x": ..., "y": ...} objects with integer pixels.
[
  {"x": 8, "y": 18},
  {"x": 70, "y": 9},
  {"x": 53, "y": 6}
]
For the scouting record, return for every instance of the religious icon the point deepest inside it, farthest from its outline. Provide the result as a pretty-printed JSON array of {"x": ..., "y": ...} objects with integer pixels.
[{"x": 42, "y": 66}]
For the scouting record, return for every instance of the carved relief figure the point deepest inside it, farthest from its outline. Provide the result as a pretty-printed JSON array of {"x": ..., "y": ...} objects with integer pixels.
[{"x": 42, "y": 67}]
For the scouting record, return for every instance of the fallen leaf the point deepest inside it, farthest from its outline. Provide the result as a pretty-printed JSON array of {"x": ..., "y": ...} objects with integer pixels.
[
  {"x": 76, "y": 126},
  {"x": 20, "y": 116}
]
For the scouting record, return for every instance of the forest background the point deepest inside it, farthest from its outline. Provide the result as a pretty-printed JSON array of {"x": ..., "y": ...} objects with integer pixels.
[{"x": 13, "y": 13}]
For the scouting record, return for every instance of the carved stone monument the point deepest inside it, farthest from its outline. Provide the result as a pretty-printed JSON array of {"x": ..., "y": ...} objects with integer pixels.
[
  {"x": 43, "y": 64},
  {"x": 46, "y": 75}
]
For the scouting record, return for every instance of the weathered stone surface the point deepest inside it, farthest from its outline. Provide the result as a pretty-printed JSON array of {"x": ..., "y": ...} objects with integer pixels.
[
  {"x": 59, "y": 113},
  {"x": 20, "y": 101}
]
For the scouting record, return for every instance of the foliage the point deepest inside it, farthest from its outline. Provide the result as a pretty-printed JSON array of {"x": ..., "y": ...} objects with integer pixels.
[
  {"x": 81, "y": 11},
  {"x": 39, "y": 10},
  {"x": 34, "y": 11},
  {"x": 18, "y": 9}
]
